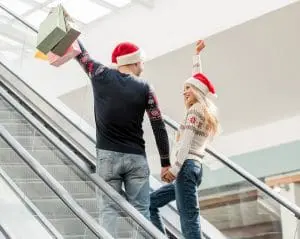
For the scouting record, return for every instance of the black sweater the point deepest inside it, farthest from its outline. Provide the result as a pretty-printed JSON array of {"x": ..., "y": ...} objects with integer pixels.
[{"x": 120, "y": 102}]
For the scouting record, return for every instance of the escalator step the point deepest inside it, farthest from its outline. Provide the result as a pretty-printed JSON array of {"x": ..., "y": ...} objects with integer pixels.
[
  {"x": 5, "y": 105},
  {"x": 60, "y": 172},
  {"x": 38, "y": 189},
  {"x": 55, "y": 208},
  {"x": 20, "y": 129},
  {"x": 9, "y": 115},
  {"x": 74, "y": 228},
  {"x": 30, "y": 142},
  {"x": 44, "y": 156}
]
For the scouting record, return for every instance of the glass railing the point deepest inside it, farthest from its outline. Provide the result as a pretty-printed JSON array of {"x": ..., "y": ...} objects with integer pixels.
[
  {"x": 237, "y": 203},
  {"x": 42, "y": 196},
  {"x": 278, "y": 161},
  {"x": 239, "y": 207},
  {"x": 16, "y": 209}
]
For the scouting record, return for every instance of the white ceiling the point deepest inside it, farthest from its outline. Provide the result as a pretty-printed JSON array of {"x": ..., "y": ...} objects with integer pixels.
[
  {"x": 255, "y": 67},
  {"x": 84, "y": 12}
]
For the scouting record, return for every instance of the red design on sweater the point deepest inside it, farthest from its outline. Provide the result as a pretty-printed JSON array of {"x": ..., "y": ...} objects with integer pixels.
[
  {"x": 193, "y": 120},
  {"x": 90, "y": 66}
]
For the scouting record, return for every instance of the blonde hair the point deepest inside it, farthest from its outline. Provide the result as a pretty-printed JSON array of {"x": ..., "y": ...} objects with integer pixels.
[{"x": 209, "y": 111}]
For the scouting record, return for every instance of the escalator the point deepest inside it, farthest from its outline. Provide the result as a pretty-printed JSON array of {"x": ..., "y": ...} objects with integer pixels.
[
  {"x": 46, "y": 216},
  {"x": 13, "y": 204},
  {"x": 233, "y": 203},
  {"x": 56, "y": 161}
]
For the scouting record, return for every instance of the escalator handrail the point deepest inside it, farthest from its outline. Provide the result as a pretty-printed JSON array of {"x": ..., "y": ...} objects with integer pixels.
[
  {"x": 56, "y": 187},
  {"x": 5, "y": 233},
  {"x": 42, "y": 219},
  {"x": 173, "y": 124},
  {"x": 97, "y": 180}
]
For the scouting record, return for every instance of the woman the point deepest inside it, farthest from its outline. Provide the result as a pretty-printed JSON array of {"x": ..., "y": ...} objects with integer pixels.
[{"x": 200, "y": 125}]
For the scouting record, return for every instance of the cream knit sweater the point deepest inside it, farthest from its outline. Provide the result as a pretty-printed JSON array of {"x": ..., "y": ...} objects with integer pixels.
[{"x": 193, "y": 133}]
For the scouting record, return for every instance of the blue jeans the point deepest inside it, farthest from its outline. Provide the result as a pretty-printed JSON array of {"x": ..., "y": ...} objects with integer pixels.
[
  {"x": 117, "y": 169},
  {"x": 184, "y": 190}
]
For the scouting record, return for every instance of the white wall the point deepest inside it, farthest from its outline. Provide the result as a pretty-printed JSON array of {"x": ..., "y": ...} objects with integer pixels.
[
  {"x": 172, "y": 24},
  {"x": 254, "y": 67},
  {"x": 260, "y": 137}
]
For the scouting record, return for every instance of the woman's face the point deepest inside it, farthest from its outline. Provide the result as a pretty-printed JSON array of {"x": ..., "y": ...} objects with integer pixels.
[{"x": 189, "y": 96}]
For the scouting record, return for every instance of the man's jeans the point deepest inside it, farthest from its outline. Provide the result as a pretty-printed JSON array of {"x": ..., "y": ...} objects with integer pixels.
[
  {"x": 117, "y": 169},
  {"x": 184, "y": 190}
]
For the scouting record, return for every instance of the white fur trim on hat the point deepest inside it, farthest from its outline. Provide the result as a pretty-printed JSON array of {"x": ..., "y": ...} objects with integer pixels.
[
  {"x": 113, "y": 66},
  {"x": 202, "y": 87},
  {"x": 131, "y": 58},
  {"x": 198, "y": 84}
]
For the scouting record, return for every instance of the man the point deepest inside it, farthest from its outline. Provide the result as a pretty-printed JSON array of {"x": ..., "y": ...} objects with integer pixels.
[{"x": 120, "y": 101}]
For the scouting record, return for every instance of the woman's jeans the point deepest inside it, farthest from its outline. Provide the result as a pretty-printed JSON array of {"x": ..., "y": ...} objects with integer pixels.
[{"x": 184, "y": 190}]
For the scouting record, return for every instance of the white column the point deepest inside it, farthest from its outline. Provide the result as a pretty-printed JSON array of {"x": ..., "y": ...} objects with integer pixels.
[{"x": 288, "y": 221}]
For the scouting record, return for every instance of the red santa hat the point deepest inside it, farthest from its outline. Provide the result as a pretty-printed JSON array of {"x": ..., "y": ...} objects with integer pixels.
[
  {"x": 202, "y": 83},
  {"x": 126, "y": 53}
]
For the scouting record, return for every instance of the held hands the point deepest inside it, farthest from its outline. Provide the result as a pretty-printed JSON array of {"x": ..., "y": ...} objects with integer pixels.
[
  {"x": 166, "y": 175},
  {"x": 200, "y": 45}
]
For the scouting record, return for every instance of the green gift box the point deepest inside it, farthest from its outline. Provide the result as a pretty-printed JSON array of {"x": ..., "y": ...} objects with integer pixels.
[
  {"x": 72, "y": 34},
  {"x": 51, "y": 30}
]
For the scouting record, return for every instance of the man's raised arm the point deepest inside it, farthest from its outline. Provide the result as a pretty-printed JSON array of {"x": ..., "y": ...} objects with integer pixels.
[{"x": 90, "y": 66}]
